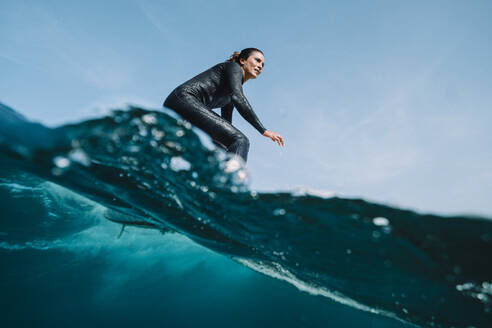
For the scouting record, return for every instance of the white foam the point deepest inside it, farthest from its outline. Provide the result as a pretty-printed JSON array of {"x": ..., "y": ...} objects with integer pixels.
[
  {"x": 232, "y": 165},
  {"x": 481, "y": 292},
  {"x": 37, "y": 244},
  {"x": 275, "y": 270},
  {"x": 17, "y": 188},
  {"x": 303, "y": 191},
  {"x": 178, "y": 163}
]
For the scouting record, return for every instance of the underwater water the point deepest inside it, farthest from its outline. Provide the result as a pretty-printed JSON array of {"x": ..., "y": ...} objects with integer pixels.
[{"x": 128, "y": 219}]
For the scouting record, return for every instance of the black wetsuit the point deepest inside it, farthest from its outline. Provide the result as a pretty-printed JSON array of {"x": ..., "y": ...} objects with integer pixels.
[{"x": 217, "y": 87}]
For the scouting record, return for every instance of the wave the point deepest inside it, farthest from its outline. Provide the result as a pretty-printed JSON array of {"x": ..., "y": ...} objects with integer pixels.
[{"x": 148, "y": 169}]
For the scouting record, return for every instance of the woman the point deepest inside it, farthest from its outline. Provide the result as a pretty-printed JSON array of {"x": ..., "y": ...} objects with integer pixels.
[{"x": 221, "y": 87}]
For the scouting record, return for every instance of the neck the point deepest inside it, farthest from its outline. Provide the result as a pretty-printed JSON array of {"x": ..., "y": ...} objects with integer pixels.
[{"x": 245, "y": 77}]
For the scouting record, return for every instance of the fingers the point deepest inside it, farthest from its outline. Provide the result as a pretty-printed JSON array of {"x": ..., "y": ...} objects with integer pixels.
[
  {"x": 281, "y": 141},
  {"x": 275, "y": 137},
  {"x": 278, "y": 139}
]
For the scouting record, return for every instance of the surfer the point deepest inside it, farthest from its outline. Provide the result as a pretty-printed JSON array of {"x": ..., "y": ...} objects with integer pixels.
[{"x": 221, "y": 87}]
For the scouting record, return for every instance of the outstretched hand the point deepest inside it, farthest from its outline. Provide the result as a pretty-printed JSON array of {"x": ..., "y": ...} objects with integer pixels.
[{"x": 274, "y": 136}]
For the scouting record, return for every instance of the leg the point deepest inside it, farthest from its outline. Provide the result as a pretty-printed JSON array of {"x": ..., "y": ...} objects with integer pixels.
[{"x": 214, "y": 125}]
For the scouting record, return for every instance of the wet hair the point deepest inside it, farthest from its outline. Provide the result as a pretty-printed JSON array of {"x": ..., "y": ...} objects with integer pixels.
[{"x": 244, "y": 54}]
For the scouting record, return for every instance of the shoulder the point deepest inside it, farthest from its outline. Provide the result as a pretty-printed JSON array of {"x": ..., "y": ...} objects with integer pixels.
[
  {"x": 232, "y": 66},
  {"x": 226, "y": 67}
]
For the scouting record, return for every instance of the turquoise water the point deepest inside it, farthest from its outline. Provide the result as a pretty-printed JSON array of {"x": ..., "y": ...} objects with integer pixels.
[
  {"x": 130, "y": 220},
  {"x": 63, "y": 268}
]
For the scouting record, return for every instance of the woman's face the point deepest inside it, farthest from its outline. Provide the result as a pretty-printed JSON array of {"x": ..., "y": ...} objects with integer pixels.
[{"x": 253, "y": 66}]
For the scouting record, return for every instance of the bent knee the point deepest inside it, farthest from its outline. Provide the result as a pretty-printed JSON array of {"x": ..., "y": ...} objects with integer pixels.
[{"x": 243, "y": 140}]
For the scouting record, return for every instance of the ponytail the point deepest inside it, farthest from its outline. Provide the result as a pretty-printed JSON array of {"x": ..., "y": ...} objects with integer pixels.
[{"x": 234, "y": 57}]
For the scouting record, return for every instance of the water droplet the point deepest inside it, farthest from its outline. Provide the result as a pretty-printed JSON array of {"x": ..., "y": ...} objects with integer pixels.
[
  {"x": 279, "y": 211},
  {"x": 157, "y": 134},
  {"x": 149, "y": 119},
  {"x": 176, "y": 199},
  {"x": 232, "y": 165},
  {"x": 242, "y": 175},
  {"x": 179, "y": 164},
  {"x": 482, "y": 297},
  {"x": 380, "y": 221},
  {"x": 61, "y": 162},
  {"x": 142, "y": 131}
]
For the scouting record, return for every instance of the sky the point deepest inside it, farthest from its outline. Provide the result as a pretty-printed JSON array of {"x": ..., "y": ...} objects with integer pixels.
[{"x": 385, "y": 100}]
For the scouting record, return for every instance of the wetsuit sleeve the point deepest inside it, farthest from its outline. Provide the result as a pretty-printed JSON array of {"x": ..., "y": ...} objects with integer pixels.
[
  {"x": 234, "y": 75},
  {"x": 226, "y": 112}
]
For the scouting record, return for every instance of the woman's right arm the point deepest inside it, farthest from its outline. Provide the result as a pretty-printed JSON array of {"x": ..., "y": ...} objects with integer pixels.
[
  {"x": 275, "y": 137},
  {"x": 234, "y": 75},
  {"x": 226, "y": 112}
]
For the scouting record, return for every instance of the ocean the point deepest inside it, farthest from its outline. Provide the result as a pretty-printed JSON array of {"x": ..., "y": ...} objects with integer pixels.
[{"x": 128, "y": 219}]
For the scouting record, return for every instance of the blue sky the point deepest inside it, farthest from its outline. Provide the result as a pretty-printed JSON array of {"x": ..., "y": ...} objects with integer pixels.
[{"x": 386, "y": 100}]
